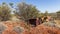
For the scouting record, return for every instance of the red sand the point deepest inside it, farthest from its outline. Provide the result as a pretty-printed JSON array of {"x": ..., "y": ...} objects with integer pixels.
[{"x": 40, "y": 29}]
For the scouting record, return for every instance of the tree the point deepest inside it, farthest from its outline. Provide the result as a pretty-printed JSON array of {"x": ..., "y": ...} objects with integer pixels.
[
  {"x": 46, "y": 13},
  {"x": 4, "y": 12},
  {"x": 27, "y": 11},
  {"x": 58, "y": 14},
  {"x": 11, "y": 4}
]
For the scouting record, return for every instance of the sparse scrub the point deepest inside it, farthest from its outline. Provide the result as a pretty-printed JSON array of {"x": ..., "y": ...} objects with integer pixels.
[{"x": 4, "y": 12}]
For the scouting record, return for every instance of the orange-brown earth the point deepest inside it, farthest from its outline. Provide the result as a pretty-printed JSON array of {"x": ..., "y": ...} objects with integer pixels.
[
  {"x": 11, "y": 24},
  {"x": 40, "y": 29}
]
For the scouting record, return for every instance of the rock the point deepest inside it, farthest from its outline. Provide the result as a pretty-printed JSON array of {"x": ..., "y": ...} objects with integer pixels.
[
  {"x": 18, "y": 29},
  {"x": 50, "y": 24},
  {"x": 2, "y": 28}
]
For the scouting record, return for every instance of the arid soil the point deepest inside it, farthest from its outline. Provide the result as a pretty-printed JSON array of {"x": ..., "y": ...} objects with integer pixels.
[
  {"x": 41, "y": 29},
  {"x": 26, "y": 29}
]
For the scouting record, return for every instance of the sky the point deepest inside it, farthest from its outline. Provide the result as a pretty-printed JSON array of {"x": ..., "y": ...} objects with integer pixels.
[{"x": 41, "y": 5}]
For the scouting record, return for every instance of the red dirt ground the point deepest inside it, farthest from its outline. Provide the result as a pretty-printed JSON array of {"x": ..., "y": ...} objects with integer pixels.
[{"x": 40, "y": 29}]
